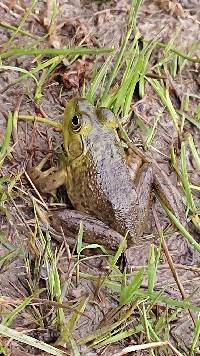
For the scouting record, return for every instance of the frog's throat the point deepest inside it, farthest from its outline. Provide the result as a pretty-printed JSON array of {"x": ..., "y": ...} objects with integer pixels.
[{"x": 83, "y": 153}]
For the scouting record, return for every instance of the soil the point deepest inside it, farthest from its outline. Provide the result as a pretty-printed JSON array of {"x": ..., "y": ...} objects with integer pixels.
[{"x": 96, "y": 24}]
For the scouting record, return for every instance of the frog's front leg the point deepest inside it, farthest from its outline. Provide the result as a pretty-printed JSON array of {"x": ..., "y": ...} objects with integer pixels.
[{"x": 46, "y": 181}]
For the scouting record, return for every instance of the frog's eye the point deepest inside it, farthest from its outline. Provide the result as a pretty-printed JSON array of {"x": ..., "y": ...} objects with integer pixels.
[{"x": 76, "y": 123}]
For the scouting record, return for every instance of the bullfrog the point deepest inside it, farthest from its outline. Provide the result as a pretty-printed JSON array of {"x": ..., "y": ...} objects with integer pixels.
[{"x": 104, "y": 179}]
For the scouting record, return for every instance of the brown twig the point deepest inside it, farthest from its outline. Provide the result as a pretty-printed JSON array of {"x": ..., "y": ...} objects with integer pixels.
[{"x": 170, "y": 260}]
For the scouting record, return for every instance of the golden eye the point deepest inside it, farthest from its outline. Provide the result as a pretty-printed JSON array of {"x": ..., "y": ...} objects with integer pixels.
[{"x": 76, "y": 123}]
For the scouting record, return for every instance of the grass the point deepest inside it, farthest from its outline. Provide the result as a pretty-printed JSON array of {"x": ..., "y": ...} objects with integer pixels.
[
  {"x": 54, "y": 52},
  {"x": 28, "y": 340},
  {"x": 139, "y": 314},
  {"x": 7, "y": 138}
]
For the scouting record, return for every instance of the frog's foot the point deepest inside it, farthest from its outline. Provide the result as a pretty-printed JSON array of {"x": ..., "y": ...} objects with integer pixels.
[{"x": 46, "y": 181}]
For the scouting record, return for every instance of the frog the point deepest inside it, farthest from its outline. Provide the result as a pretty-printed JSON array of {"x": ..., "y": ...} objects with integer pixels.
[{"x": 106, "y": 181}]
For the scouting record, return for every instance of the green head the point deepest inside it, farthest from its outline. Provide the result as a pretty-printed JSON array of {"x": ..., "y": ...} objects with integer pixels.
[{"x": 80, "y": 119}]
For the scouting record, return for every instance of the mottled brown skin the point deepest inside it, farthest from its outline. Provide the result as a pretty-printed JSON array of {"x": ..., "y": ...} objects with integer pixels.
[{"x": 100, "y": 178}]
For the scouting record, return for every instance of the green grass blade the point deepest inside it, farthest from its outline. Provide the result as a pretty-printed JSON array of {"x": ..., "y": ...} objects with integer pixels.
[
  {"x": 190, "y": 119},
  {"x": 118, "y": 62},
  {"x": 74, "y": 347},
  {"x": 195, "y": 337},
  {"x": 145, "y": 322},
  {"x": 107, "y": 328},
  {"x": 174, "y": 161},
  {"x": 67, "y": 330},
  {"x": 28, "y": 340},
  {"x": 185, "y": 179},
  {"x": 130, "y": 58},
  {"x": 94, "y": 246},
  {"x": 7, "y": 321},
  {"x": 163, "y": 93},
  {"x": 135, "y": 75},
  {"x": 58, "y": 294},
  {"x": 135, "y": 9},
  {"x": 39, "y": 67},
  {"x": 75, "y": 316},
  {"x": 197, "y": 113},
  {"x": 25, "y": 17},
  {"x": 155, "y": 296},
  {"x": 128, "y": 291},
  {"x": 73, "y": 51},
  {"x": 22, "y": 32},
  {"x": 171, "y": 302},
  {"x": 194, "y": 151},
  {"x": 120, "y": 336},
  {"x": 119, "y": 251},
  {"x": 5, "y": 146},
  {"x": 115, "y": 69},
  {"x": 152, "y": 131},
  {"x": 44, "y": 76},
  {"x": 95, "y": 84},
  {"x": 7, "y": 257},
  {"x": 20, "y": 70},
  {"x": 183, "y": 231}
]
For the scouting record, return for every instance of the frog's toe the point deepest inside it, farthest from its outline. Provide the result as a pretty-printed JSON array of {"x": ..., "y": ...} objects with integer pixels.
[
  {"x": 48, "y": 172},
  {"x": 42, "y": 180},
  {"x": 37, "y": 175},
  {"x": 43, "y": 162}
]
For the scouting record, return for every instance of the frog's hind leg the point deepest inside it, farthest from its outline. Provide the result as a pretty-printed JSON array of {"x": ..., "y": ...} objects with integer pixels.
[
  {"x": 134, "y": 163},
  {"x": 144, "y": 183},
  {"x": 142, "y": 175},
  {"x": 94, "y": 230},
  {"x": 161, "y": 183},
  {"x": 168, "y": 193}
]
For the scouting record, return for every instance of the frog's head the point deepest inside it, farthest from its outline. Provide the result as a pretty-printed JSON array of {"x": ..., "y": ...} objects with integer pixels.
[{"x": 81, "y": 118}]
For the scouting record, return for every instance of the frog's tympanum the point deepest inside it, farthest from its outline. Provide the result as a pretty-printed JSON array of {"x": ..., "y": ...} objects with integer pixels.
[{"x": 102, "y": 178}]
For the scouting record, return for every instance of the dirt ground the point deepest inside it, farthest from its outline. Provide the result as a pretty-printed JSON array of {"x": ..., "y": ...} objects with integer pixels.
[{"x": 97, "y": 24}]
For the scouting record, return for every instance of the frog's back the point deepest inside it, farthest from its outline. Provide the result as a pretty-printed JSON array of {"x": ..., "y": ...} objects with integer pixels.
[{"x": 101, "y": 185}]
